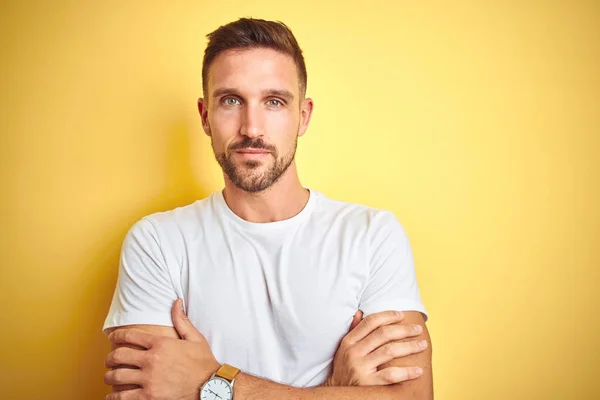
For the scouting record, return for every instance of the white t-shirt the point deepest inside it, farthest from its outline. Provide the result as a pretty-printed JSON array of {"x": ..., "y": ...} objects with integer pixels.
[{"x": 273, "y": 299}]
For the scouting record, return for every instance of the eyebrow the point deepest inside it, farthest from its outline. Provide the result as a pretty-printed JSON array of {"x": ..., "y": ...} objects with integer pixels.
[{"x": 286, "y": 94}]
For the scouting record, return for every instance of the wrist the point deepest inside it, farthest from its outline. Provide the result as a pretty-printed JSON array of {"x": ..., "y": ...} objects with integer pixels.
[
  {"x": 207, "y": 372},
  {"x": 220, "y": 383},
  {"x": 210, "y": 370}
]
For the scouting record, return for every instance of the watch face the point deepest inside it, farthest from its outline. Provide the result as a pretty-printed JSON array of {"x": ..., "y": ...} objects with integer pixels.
[{"x": 216, "y": 389}]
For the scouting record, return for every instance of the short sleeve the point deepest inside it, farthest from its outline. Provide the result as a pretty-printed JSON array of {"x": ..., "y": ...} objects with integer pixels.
[
  {"x": 392, "y": 283},
  {"x": 144, "y": 293}
]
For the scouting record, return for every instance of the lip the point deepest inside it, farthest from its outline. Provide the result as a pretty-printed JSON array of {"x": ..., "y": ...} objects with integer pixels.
[
  {"x": 252, "y": 151},
  {"x": 252, "y": 154}
]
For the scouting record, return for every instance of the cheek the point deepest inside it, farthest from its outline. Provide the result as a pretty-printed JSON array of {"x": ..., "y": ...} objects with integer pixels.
[
  {"x": 225, "y": 120},
  {"x": 224, "y": 128},
  {"x": 283, "y": 123}
]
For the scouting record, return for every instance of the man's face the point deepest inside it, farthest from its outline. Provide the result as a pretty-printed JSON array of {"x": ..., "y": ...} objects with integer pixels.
[{"x": 254, "y": 114}]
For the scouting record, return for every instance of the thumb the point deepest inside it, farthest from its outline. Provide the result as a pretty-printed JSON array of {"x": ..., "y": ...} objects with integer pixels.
[
  {"x": 183, "y": 325},
  {"x": 357, "y": 318}
]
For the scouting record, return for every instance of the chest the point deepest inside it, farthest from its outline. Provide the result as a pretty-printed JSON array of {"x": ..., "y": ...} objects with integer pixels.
[{"x": 294, "y": 295}]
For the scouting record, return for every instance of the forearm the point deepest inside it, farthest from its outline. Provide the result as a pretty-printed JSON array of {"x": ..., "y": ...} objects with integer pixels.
[{"x": 248, "y": 387}]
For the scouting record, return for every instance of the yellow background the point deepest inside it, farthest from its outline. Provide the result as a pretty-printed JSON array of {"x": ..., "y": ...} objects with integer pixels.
[{"x": 476, "y": 122}]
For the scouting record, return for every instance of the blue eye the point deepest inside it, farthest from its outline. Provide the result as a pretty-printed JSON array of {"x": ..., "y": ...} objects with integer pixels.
[
  {"x": 230, "y": 101},
  {"x": 274, "y": 103}
]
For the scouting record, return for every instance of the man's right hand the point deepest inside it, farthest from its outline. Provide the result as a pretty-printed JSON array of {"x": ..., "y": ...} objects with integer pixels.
[{"x": 371, "y": 343}]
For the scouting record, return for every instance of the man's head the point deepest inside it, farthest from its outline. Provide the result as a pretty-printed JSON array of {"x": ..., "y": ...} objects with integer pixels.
[{"x": 254, "y": 106}]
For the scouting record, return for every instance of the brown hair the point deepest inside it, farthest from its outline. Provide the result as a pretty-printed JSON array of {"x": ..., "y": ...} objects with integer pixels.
[{"x": 250, "y": 33}]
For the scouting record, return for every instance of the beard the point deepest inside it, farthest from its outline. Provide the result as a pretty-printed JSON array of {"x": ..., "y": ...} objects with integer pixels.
[{"x": 249, "y": 174}]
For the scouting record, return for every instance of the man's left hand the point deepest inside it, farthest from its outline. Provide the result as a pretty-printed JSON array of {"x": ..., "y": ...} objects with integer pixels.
[{"x": 168, "y": 368}]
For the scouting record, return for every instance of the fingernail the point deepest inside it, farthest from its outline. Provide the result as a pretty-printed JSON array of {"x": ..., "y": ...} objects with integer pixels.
[
  {"x": 422, "y": 344},
  {"x": 418, "y": 328},
  {"x": 418, "y": 371},
  {"x": 400, "y": 314}
]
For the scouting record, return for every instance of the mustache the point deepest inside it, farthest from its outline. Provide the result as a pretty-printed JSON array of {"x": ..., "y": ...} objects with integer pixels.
[{"x": 248, "y": 143}]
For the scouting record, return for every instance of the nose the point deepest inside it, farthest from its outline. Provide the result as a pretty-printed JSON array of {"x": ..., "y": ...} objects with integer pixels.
[{"x": 252, "y": 121}]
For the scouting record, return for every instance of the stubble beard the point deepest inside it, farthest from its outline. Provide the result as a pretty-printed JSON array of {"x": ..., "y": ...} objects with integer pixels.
[{"x": 247, "y": 175}]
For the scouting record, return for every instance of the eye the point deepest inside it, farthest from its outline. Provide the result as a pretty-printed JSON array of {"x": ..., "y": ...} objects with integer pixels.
[
  {"x": 230, "y": 101},
  {"x": 274, "y": 103}
]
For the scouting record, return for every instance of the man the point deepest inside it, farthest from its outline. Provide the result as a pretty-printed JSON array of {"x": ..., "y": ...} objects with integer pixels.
[{"x": 274, "y": 278}]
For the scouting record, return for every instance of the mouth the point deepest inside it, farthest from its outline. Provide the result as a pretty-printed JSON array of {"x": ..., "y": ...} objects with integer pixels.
[{"x": 252, "y": 153}]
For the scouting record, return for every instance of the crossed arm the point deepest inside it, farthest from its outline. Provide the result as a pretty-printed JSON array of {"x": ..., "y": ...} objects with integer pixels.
[
  {"x": 421, "y": 388},
  {"x": 176, "y": 358}
]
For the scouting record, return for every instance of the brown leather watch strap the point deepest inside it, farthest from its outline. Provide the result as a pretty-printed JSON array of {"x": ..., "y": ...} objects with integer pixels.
[{"x": 227, "y": 372}]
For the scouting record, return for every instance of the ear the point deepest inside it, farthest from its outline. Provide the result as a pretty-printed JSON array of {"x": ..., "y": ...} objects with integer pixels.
[
  {"x": 203, "y": 110},
  {"x": 306, "y": 109}
]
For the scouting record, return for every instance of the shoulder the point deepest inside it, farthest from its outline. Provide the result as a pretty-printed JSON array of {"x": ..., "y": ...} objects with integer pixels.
[
  {"x": 168, "y": 223},
  {"x": 366, "y": 217}
]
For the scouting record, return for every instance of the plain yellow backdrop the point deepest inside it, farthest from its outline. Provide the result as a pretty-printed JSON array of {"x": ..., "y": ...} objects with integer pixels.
[{"x": 476, "y": 122}]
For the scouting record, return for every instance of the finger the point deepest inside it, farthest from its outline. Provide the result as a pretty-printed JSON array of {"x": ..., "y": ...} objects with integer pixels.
[
  {"x": 135, "y": 394},
  {"x": 183, "y": 325},
  {"x": 123, "y": 376},
  {"x": 132, "y": 336},
  {"x": 392, "y": 350},
  {"x": 372, "y": 322},
  {"x": 391, "y": 375},
  {"x": 357, "y": 318},
  {"x": 124, "y": 356},
  {"x": 386, "y": 334}
]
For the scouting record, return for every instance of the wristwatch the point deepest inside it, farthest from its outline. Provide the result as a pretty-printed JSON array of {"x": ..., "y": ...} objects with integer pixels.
[{"x": 220, "y": 385}]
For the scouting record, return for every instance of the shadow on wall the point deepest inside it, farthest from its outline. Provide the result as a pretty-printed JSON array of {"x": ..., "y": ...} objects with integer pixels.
[{"x": 99, "y": 274}]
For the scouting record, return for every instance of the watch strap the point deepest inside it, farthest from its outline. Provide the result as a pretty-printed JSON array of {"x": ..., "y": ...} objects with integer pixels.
[{"x": 227, "y": 372}]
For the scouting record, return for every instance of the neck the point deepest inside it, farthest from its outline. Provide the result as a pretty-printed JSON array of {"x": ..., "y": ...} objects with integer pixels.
[{"x": 283, "y": 200}]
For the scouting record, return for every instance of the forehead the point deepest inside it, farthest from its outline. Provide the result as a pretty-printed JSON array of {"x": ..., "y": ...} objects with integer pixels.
[{"x": 253, "y": 70}]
